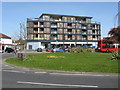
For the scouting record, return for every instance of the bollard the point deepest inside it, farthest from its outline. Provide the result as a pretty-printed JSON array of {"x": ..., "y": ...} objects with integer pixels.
[{"x": 20, "y": 56}]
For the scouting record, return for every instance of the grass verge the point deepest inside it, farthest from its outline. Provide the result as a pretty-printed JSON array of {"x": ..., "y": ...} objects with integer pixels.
[{"x": 76, "y": 62}]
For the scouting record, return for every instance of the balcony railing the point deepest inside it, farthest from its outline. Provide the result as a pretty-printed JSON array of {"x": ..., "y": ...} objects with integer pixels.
[
  {"x": 54, "y": 26},
  {"x": 35, "y": 25},
  {"x": 84, "y": 38},
  {"x": 54, "y": 32},
  {"x": 83, "y": 27},
  {"x": 69, "y": 32},
  {"x": 39, "y": 19},
  {"x": 41, "y": 25},
  {"x": 53, "y": 38},
  {"x": 94, "y": 38},
  {"x": 94, "y": 33},
  {"x": 84, "y": 33}
]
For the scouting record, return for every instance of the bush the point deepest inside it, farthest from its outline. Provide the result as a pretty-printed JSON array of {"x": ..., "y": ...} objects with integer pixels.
[
  {"x": 119, "y": 52},
  {"x": 116, "y": 55},
  {"x": 54, "y": 57},
  {"x": 89, "y": 49},
  {"x": 78, "y": 50},
  {"x": 26, "y": 58}
]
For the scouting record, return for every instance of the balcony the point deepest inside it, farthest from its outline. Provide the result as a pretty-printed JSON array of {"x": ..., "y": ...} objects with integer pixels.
[
  {"x": 41, "y": 25},
  {"x": 84, "y": 33},
  {"x": 69, "y": 38},
  {"x": 53, "y": 26},
  {"x": 35, "y": 31},
  {"x": 69, "y": 26},
  {"x": 83, "y": 27},
  {"x": 41, "y": 32},
  {"x": 35, "y": 25},
  {"x": 53, "y": 32},
  {"x": 94, "y": 38},
  {"x": 55, "y": 38},
  {"x": 94, "y": 33},
  {"x": 69, "y": 32},
  {"x": 36, "y": 19},
  {"x": 84, "y": 38}
]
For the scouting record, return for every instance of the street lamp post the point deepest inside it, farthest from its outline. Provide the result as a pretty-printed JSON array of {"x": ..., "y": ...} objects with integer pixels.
[{"x": 56, "y": 43}]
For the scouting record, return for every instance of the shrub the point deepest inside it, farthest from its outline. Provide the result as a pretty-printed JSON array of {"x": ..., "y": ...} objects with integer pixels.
[
  {"x": 89, "y": 49},
  {"x": 119, "y": 52},
  {"x": 116, "y": 55},
  {"x": 78, "y": 50},
  {"x": 26, "y": 58},
  {"x": 54, "y": 57}
]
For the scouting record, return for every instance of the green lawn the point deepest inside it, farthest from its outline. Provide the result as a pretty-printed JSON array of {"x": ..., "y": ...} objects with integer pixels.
[{"x": 80, "y": 62}]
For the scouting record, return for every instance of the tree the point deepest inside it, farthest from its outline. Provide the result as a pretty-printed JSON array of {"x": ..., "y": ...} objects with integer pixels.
[
  {"x": 21, "y": 36},
  {"x": 115, "y": 34}
]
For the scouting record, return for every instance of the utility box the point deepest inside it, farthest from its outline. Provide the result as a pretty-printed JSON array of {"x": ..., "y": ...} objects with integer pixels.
[{"x": 20, "y": 56}]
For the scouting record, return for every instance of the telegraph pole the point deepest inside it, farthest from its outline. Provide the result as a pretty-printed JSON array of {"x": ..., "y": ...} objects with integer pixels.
[
  {"x": 119, "y": 13},
  {"x": 20, "y": 38}
]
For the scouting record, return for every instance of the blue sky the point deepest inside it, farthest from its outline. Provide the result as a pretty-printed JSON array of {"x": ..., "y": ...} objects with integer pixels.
[{"x": 15, "y": 12}]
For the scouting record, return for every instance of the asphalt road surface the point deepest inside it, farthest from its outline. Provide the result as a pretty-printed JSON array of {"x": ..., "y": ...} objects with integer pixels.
[{"x": 16, "y": 77}]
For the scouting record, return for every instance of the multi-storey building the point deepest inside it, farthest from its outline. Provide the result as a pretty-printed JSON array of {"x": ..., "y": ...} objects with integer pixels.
[{"x": 53, "y": 30}]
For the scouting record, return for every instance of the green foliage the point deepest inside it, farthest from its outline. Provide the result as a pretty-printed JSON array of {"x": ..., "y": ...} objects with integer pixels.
[
  {"x": 116, "y": 54},
  {"x": 89, "y": 50},
  {"x": 119, "y": 52},
  {"x": 26, "y": 58},
  {"x": 80, "y": 50},
  {"x": 54, "y": 57}
]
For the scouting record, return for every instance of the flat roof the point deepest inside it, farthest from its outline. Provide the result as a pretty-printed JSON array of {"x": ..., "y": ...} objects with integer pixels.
[{"x": 65, "y": 15}]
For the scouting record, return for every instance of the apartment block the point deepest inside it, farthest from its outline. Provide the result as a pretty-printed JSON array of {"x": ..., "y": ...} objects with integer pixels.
[{"x": 54, "y": 31}]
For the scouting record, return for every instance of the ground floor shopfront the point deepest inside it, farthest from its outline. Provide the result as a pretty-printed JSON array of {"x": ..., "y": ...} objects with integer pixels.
[{"x": 43, "y": 45}]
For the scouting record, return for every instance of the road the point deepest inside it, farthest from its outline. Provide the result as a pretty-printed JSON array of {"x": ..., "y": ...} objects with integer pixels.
[{"x": 16, "y": 77}]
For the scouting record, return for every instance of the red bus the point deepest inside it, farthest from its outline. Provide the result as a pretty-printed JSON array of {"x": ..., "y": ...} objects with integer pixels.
[{"x": 107, "y": 46}]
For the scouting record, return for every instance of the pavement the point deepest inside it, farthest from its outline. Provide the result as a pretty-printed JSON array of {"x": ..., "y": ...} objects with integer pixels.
[
  {"x": 14, "y": 76},
  {"x": 31, "y": 51}
]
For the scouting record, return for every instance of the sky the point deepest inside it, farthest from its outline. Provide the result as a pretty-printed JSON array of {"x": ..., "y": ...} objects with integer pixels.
[{"x": 14, "y": 13}]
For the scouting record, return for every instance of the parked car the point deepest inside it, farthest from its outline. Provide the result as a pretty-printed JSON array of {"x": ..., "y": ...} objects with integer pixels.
[
  {"x": 49, "y": 49},
  {"x": 64, "y": 49},
  {"x": 39, "y": 49},
  {"x": 61, "y": 49},
  {"x": 58, "y": 50},
  {"x": 9, "y": 50}
]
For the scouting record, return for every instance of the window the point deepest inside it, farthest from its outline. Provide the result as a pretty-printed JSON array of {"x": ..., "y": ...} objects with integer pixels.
[
  {"x": 35, "y": 23},
  {"x": 93, "y": 36},
  {"x": 35, "y": 30},
  {"x": 93, "y": 31},
  {"x": 41, "y": 23},
  {"x": 118, "y": 46},
  {"x": 36, "y": 35},
  {"x": 69, "y": 30},
  {"x": 41, "y": 29},
  {"x": 70, "y": 24},
  {"x": 30, "y": 46}
]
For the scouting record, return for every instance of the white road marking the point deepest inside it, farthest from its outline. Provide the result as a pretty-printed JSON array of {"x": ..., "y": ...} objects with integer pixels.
[
  {"x": 50, "y": 84},
  {"x": 5, "y": 65},
  {"x": 77, "y": 74},
  {"x": 8, "y": 67},
  {"x": 40, "y": 72},
  {"x": 13, "y": 71}
]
